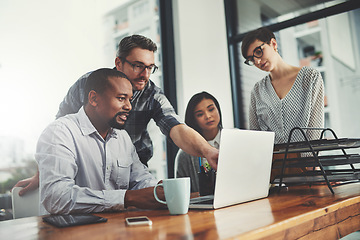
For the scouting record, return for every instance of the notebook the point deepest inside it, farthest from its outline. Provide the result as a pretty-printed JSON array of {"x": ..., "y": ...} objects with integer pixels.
[{"x": 244, "y": 167}]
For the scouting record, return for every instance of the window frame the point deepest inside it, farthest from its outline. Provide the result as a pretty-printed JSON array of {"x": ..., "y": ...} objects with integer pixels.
[
  {"x": 235, "y": 38},
  {"x": 169, "y": 71}
]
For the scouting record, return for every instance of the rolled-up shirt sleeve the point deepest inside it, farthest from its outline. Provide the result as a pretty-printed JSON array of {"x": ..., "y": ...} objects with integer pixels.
[{"x": 164, "y": 114}]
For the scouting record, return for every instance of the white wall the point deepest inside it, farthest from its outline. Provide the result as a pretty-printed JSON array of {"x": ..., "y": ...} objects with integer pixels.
[
  {"x": 45, "y": 50},
  {"x": 45, "y": 46},
  {"x": 201, "y": 53}
]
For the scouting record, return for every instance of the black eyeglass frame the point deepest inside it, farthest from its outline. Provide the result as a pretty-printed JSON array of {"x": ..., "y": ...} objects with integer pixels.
[
  {"x": 250, "y": 59},
  {"x": 153, "y": 68}
]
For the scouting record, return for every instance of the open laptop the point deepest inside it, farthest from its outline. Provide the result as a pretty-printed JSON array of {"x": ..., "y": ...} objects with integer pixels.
[{"x": 244, "y": 167}]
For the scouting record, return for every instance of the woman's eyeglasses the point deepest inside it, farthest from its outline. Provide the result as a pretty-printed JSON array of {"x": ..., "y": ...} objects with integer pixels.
[{"x": 258, "y": 53}]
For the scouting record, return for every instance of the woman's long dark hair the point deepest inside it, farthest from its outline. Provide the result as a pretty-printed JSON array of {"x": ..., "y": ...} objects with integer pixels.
[{"x": 195, "y": 100}]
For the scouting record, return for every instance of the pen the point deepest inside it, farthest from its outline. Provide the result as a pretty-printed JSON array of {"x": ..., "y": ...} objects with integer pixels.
[{"x": 200, "y": 164}]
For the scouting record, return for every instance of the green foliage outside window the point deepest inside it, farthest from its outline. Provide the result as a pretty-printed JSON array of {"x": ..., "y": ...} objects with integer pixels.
[{"x": 19, "y": 173}]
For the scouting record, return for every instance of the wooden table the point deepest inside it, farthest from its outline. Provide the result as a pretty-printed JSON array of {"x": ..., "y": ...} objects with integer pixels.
[{"x": 298, "y": 213}]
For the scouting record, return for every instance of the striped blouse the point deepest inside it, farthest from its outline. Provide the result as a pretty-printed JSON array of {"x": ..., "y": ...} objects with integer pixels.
[{"x": 303, "y": 106}]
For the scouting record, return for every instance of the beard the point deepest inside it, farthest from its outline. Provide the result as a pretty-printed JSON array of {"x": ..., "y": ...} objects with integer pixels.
[{"x": 114, "y": 124}]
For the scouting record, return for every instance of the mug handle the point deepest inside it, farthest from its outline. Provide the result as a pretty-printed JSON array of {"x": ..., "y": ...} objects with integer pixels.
[{"x": 156, "y": 197}]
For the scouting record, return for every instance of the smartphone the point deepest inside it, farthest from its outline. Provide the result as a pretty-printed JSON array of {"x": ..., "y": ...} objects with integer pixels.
[
  {"x": 138, "y": 221},
  {"x": 72, "y": 220}
]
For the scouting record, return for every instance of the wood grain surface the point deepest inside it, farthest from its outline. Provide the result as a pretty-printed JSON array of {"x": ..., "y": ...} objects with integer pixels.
[{"x": 297, "y": 213}]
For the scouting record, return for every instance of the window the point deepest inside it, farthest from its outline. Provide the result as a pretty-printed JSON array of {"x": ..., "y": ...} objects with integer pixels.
[{"x": 308, "y": 33}]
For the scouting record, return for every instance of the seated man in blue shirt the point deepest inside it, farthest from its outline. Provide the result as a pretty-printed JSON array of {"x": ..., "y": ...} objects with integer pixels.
[
  {"x": 135, "y": 58},
  {"x": 87, "y": 162}
]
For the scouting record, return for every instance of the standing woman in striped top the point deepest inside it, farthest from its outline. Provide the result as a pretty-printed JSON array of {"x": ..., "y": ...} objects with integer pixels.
[{"x": 286, "y": 98}]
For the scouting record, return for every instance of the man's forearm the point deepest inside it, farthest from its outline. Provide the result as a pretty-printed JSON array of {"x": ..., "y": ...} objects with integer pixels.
[
  {"x": 143, "y": 198},
  {"x": 65, "y": 198},
  {"x": 194, "y": 144},
  {"x": 189, "y": 140}
]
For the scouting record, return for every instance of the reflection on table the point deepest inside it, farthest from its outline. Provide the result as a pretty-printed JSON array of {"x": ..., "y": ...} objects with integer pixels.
[{"x": 299, "y": 212}]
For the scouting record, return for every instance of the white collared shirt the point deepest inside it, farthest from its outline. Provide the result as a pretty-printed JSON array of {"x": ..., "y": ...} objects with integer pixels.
[
  {"x": 216, "y": 141},
  {"x": 82, "y": 172}
]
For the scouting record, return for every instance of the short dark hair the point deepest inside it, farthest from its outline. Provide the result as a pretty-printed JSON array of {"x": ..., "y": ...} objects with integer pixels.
[
  {"x": 262, "y": 34},
  {"x": 130, "y": 42},
  {"x": 195, "y": 100},
  {"x": 98, "y": 81}
]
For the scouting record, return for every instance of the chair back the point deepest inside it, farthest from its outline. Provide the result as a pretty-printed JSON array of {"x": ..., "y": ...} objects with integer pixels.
[{"x": 25, "y": 206}]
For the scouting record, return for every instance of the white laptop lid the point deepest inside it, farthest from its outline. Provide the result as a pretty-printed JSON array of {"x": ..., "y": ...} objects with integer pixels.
[{"x": 244, "y": 167}]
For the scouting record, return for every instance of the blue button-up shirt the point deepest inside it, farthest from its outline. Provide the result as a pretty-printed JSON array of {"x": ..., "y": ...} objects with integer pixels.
[{"x": 82, "y": 172}]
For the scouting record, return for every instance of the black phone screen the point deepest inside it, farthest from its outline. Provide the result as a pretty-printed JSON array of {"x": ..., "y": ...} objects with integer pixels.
[
  {"x": 140, "y": 219},
  {"x": 73, "y": 219}
]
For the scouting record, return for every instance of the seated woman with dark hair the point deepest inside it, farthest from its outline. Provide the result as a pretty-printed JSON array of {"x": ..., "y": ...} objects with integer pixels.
[{"x": 204, "y": 115}]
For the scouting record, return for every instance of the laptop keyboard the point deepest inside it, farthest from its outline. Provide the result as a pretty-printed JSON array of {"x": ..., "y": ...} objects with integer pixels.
[{"x": 202, "y": 200}]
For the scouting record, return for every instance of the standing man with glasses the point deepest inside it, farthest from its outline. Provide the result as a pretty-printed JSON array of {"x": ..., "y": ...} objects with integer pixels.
[{"x": 135, "y": 58}]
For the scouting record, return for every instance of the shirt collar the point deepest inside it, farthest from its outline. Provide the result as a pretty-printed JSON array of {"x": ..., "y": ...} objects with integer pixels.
[
  {"x": 87, "y": 127},
  {"x": 216, "y": 141},
  {"x": 137, "y": 93}
]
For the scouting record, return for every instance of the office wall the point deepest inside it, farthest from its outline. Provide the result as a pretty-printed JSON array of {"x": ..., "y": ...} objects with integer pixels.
[
  {"x": 45, "y": 46},
  {"x": 201, "y": 53}
]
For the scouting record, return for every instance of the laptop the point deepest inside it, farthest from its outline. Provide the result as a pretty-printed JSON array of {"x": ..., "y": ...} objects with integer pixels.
[{"x": 244, "y": 167}]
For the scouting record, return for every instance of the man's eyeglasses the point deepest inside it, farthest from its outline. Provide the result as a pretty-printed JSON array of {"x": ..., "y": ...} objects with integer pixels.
[
  {"x": 139, "y": 67},
  {"x": 258, "y": 52}
]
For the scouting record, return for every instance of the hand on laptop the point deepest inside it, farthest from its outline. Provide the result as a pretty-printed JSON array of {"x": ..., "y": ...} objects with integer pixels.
[{"x": 194, "y": 195}]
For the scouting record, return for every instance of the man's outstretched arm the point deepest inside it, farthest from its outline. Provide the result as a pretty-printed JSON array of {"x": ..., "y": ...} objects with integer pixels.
[{"x": 194, "y": 144}]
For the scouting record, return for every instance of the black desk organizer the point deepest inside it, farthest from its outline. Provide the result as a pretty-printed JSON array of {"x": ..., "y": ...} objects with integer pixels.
[{"x": 312, "y": 160}]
